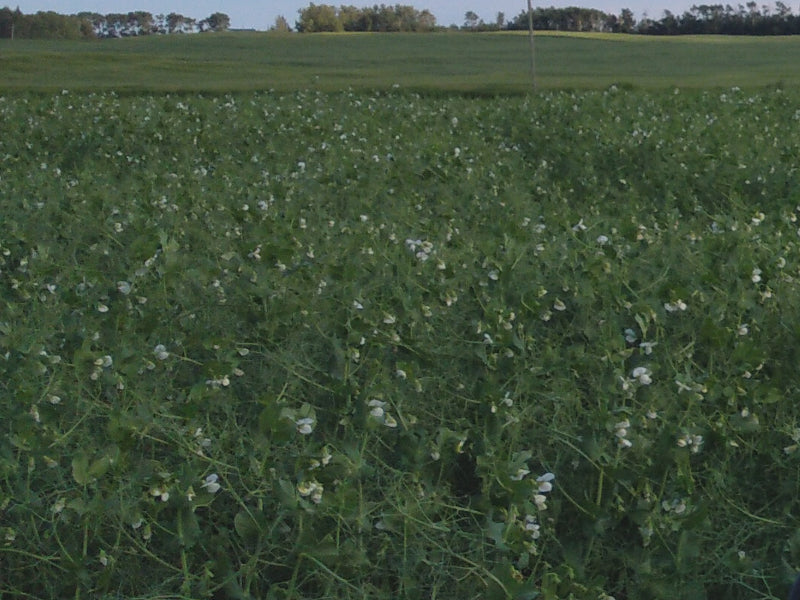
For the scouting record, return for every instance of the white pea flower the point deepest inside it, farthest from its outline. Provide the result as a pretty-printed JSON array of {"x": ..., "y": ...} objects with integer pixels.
[
  {"x": 305, "y": 425},
  {"x": 559, "y": 305},
  {"x": 160, "y": 352},
  {"x": 642, "y": 374},
  {"x": 647, "y": 347},
  {"x": 376, "y": 408},
  {"x": 743, "y": 329},
  {"x": 544, "y": 482},
  {"x": 755, "y": 276},
  {"x": 540, "y": 500},
  {"x": 104, "y": 361},
  {"x": 160, "y": 492},
  {"x": 693, "y": 442},
  {"x": 602, "y": 240},
  {"x": 532, "y": 527},
  {"x": 311, "y": 489},
  {"x": 621, "y": 431},
  {"x": 677, "y": 305},
  {"x": 124, "y": 287},
  {"x": 210, "y": 483}
]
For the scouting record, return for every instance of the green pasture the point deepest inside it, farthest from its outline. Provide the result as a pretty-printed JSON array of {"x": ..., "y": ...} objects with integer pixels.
[{"x": 452, "y": 62}]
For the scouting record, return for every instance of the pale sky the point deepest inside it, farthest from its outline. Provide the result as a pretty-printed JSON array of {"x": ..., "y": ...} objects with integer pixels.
[{"x": 246, "y": 14}]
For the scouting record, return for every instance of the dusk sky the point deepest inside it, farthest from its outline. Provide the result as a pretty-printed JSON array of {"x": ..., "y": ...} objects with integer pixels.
[{"x": 255, "y": 14}]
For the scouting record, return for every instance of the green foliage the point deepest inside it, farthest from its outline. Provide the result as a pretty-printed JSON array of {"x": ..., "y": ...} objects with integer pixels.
[
  {"x": 381, "y": 345},
  {"x": 317, "y": 18},
  {"x": 43, "y": 25}
]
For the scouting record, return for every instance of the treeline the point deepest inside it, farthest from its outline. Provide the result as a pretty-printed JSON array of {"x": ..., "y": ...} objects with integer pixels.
[
  {"x": 51, "y": 25},
  {"x": 726, "y": 20},
  {"x": 42, "y": 25},
  {"x": 748, "y": 19},
  {"x": 324, "y": 17}
]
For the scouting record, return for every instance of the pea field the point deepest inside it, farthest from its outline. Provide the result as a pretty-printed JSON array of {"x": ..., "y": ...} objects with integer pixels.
[{"x": 353, "y": 344}]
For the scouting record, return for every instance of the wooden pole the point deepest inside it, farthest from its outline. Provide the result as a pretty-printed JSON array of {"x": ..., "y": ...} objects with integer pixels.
[{"x": 530, "y": 37}]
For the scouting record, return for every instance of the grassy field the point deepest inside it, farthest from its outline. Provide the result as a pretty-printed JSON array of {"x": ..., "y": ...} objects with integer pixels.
[{"x": 480, "y": 63}]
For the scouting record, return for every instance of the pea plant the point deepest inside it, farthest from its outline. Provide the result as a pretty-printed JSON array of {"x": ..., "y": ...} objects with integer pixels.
[{"x": 388, "y": 345}]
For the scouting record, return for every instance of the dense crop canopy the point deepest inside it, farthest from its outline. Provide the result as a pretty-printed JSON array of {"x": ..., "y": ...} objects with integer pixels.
[{"x": 386, "y": 345}]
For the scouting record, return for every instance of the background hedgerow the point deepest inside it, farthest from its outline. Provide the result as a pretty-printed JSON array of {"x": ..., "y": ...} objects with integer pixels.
[{"x": 384, "y": 345}]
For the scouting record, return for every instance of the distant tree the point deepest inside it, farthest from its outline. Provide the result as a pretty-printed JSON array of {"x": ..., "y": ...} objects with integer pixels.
[
  {"x": 389, "y": 18},
  {"x": 281, "y": 25},
  {"x": 426, "y": 21},
  {"x": 626, "y": 21},
  {"x": 318, "y": 17},
  {"x": 378, "y": 18},
  {"x": 783, "y": 9},
  {"x": 174, "y": 22},
  {"x": 406, "y": 17},
  {"x": 471, "y": 20},
  {"x": 219, "y": 21},
  {"x": 500, "y": 21},
  {"x": 49, "y": 25},
  {"x": 141, "y": 21},
  {"x": 669, "y": 23},
  {"x": 6, "y": 22},
  {"x": 353, "y": 19},
  {"x": 160, "y": 24}
]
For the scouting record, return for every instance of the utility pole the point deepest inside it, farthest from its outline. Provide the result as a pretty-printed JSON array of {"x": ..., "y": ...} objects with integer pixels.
[{"x": 530, "y": 37}]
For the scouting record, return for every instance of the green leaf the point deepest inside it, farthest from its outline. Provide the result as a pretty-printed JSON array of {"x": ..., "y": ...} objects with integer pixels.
[
  {"x": 246, "y": 526},
  {"x": 99, "y": 467},
  {"x": 496, "y": 532},
  {"x": 287, "y": 493},
  {"x": 80, "y": 469},
  {"x": 188, "y": 527}
]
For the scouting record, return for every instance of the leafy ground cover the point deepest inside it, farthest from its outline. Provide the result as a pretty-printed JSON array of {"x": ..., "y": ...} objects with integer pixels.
[
  {"x": 387, "y": 346},
  {"x": 480, "y": 63}
]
